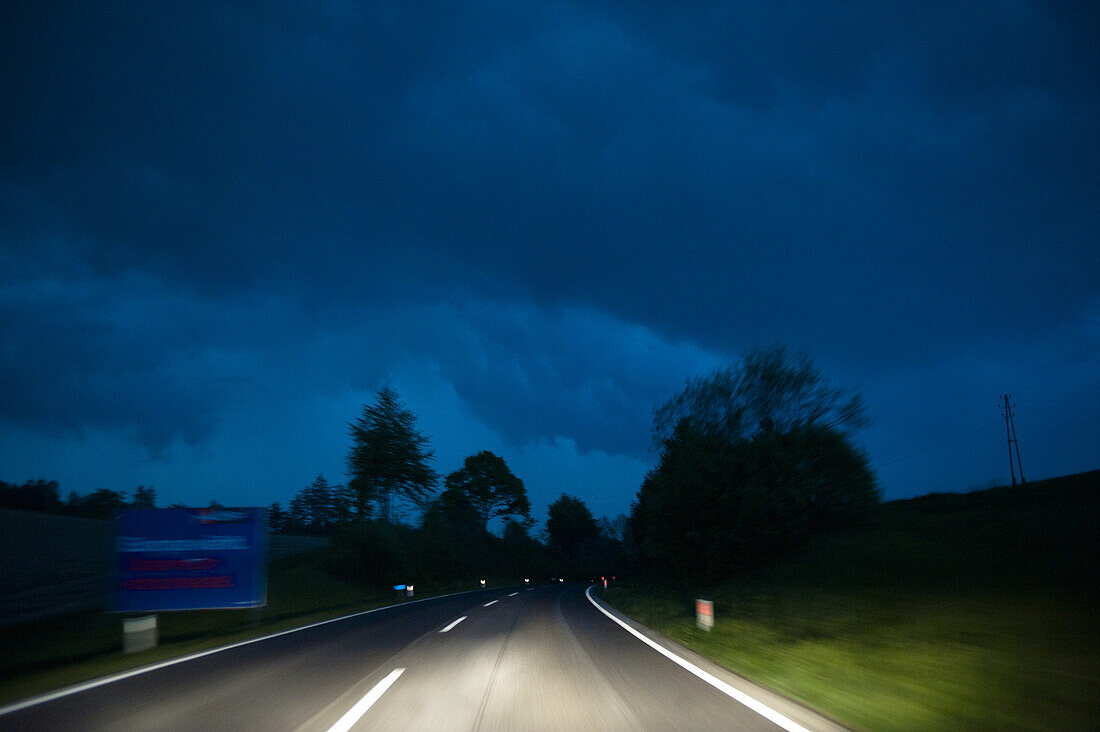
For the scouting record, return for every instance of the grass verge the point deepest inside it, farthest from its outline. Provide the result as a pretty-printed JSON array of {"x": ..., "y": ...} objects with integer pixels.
[
  {"x": 972, "y": 612},
  {"x": 48, "y": 654}
]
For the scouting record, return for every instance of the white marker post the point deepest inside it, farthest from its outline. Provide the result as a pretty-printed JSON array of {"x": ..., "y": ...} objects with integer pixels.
[
  {"x": 139, "y": 634},
  {"x": 704, "y": 614}
]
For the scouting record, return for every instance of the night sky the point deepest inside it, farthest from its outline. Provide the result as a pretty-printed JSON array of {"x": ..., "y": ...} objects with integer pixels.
[{"x": 225, "y": 226}]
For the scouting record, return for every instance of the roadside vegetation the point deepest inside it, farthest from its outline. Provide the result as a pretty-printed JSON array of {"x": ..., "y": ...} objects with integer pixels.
[
  {"x": 971, "y": 611},
  {"x": 755, "y": 459},
  {"x": 54, "y": 652}
]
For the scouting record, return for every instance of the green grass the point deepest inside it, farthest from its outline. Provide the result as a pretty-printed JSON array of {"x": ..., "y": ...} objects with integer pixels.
[
  {"x": 56, "y": 652},
  {"x": 973, "y": 612}
]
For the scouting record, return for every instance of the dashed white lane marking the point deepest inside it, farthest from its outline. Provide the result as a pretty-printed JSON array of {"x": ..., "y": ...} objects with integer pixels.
[
  {"x": 453, "y": 624},
  {"x": 491, "y": 602},
  {"x": 104, "y": 680},
  {"x": 352, "y": 716},
  {"x": 759, "y": 707},
  {"x": 514, "y": 593}
]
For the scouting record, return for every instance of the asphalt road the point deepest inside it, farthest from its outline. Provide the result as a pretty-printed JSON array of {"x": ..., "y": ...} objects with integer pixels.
[{"x": 543, "y": 658}]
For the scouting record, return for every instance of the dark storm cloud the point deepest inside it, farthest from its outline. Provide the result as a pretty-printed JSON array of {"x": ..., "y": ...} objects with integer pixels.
[
  {"x": 878, "y": 197},
  {"x": 218, "y": 145},
  {"x": 67, "y": 365},
  {"x": 566, "y": 373},
  {"x": 936, "y": 153},
  {"x": 567, "y": 152},
  {"x": 568, "y": 208}
]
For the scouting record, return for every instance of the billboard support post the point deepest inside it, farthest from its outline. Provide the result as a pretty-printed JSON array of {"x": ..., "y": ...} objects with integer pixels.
[{"x": 139, "y": 634}]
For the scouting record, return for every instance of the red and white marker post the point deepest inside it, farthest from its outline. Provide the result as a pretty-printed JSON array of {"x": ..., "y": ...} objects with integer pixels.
[{"x": 704, "y": 614}]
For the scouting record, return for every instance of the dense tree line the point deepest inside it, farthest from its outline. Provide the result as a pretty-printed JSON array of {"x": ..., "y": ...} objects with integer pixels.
[
  {"x": 754, "y": 460},
  {"x": 33, "y": 495},
  {"x": 389, "y": 470},
  {"x": 389, "y": 465},
  {"x": 44, "y": 495},
  {"x": 451, "y": 544}
]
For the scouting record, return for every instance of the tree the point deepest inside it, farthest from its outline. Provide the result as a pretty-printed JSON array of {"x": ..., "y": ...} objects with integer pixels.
[
  {"x": 620, "y": 526},
  {"x": 33, "y": 495},
  {"x": 103, "y": 503},
  {"x": 277, "y": 518},
  {"x": 317, "y": 507},
  {"x": 571, "y": 528},
  {"x": 516, "y": 532},
  {"x": 453, "y": 537},
  {"x": 607, "y": 529},
  {"x": 769, "y": 391},
  {"x": 144, "y": 497},
  {"x": 694, "y": 514},
  {"x": 490, "y": 487},
  {"x": 757, "y": 461},
  {"x": 311, "y": 509},
  {"x": 453, "y": 508},
  {"x": 342, "y": 500},
  {"x": 389, "y": 458}
]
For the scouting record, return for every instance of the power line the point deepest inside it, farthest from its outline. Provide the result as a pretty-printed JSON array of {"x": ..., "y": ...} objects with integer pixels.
[
  {"x": 1039, "y": 397},
  {"x": 940, "y": 443}
]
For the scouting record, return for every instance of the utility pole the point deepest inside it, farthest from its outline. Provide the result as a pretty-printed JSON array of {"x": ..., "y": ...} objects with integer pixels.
[
  {"x": 1020, "y": 468},
  {"x": 1010, "y": 433}
]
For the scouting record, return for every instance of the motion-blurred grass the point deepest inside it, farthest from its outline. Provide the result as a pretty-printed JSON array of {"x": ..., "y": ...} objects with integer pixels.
[
  {"x": 974, "y": 611},
  {"x": 56, "y": 652}
]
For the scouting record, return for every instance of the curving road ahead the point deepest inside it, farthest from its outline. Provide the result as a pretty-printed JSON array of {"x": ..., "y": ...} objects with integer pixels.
[{"x": 545, "y": 658}]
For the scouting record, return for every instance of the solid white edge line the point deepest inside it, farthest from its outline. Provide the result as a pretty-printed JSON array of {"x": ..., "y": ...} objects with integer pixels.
[
  {"x": 352, "y": 715},
  {"x": 102, "y": 681},
  {"x": 757, "y": 706},
  {"x": 453, "y": 624},
  {"x": 491, "y": 602}
]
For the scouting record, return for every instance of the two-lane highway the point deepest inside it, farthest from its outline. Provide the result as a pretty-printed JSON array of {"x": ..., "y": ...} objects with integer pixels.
[{"x": 541, "y": 658}]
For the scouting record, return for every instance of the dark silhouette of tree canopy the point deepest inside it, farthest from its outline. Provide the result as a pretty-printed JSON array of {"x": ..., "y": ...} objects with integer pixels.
[
  {"x": 769, "y": 391},
  {"x": 453, "y": 540},
  {"x": 389, "y": 458},
  {"x": 453, "y": 507},
  {"x": 571, "y": 528},
  {"x": 452, "y": 526},
  {"x": 490, "y": 487},
  {"x": 278, "y": 521},
  {"x": 103, "y": 503},
  {"x": 317, "y": 507},
  {"x": 144, "y": 497},
  {"x": 758, "y": 460},
  {"x": 516, "y": 532},
  {"x": 33, "y": 495}
]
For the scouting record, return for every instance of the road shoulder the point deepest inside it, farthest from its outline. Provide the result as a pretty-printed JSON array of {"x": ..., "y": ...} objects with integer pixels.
[{"x": 799, "y": 713}]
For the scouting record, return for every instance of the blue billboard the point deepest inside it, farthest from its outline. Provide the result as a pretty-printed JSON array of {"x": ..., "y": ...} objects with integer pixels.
[{"x": 191, "y": 559}]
